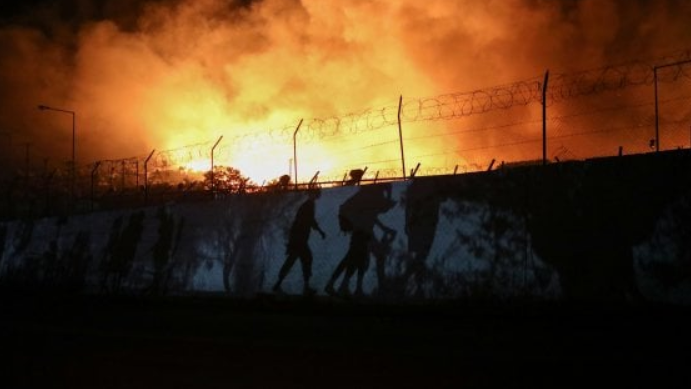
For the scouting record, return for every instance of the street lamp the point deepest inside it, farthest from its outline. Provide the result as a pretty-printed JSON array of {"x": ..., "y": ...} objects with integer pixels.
[{"x": 74, "y": 114}]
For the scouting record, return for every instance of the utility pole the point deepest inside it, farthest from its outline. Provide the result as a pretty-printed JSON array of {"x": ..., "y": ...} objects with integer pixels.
[{"x": 74, "y": 141}]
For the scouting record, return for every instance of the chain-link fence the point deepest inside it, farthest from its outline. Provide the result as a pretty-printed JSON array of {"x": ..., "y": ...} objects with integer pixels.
[{"x": 636, "y": 107}]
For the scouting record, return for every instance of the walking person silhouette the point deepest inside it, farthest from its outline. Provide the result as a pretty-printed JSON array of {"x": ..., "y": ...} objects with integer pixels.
[
  {"x": 358, "y": 216},
  {"x": 298, "y": 246}
]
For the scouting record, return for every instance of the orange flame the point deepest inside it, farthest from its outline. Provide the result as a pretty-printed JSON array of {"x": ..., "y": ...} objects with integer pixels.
[{"x": 187, "y": 72}]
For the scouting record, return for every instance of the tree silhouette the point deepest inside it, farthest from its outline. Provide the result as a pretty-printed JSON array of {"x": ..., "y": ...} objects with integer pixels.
[
  {"x": 280, "y": 183},
  {"x": 228, "y": 179}
]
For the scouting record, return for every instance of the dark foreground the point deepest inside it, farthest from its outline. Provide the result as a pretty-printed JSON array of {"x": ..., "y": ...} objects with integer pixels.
[{"x": 97, "y": 342}]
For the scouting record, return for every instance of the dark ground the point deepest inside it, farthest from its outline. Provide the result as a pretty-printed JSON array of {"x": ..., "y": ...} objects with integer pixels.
[{"x": 126, "y": 342}]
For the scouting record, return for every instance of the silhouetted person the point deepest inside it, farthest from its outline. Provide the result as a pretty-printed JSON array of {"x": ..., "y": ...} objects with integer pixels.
[
  {"x": 358, "y": 216},
  {"x": 298, "y": 239},
  {"x": 362, "y": 244},
  {"x": 284, "y": 182},
  {"x": 355, "y": 177}
]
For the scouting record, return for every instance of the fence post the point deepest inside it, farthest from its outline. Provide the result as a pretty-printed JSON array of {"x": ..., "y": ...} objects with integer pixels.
[
  {"x": 657, "y": 117},
  {"x": 122, "y": 174},
  {"x": 544, "y": 118},
  {"x": 313, "y": 180},
  {"x": 413, "y": 172},
  {"x": 400, "y": 134},
  {"x": 146, "y": 177},
  {"x": 295, "y": 154},
  {"x": 212, "y": 164},
  {"x": 93, "y": 174}
]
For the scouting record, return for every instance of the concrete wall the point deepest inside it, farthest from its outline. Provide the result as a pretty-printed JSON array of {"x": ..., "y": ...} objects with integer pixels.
[{"x": 615, "y": 229}]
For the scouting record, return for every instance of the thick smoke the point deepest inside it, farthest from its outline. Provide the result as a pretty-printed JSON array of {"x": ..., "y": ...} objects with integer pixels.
[{"x": 162, "y": 74}]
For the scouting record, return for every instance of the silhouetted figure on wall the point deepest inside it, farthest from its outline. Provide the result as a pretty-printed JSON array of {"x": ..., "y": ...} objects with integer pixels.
[
  {"x": 284, "y": 182},
  {"x": 355, "y": 177},
  {"x": 380, "y": 249},
  {"x": 121, "y": 250},
  {"x": 76, "y": 261},
  {"x": 298, "y": 242},
  {"x": 423, "y": 200},
  {"x": 163, "y": 251},
  {"x": 358, "y": 216}
]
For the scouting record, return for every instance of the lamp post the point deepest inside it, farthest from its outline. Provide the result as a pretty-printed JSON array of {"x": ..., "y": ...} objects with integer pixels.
[
  {"x": 146, "y": 177},
  {"x": 74, "y": 117}
]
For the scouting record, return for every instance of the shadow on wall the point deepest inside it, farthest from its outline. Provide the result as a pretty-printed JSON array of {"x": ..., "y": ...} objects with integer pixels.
[
  {"x": 120, "y": 252},
  {"x": 468, "y": 239},
  {"x": 164, "y": 252},
  {"x": 358, "y": 216},
  {"x": 247, "y": 223},
  {"x": 54, "y": 269},
  {"x": 159, "y": 266},
  {"x": 15, "y": 272},
  {"x": 667, "y": 256},
  {"x": 583, "y": 218},
  {"x": 589, "y": 232}
]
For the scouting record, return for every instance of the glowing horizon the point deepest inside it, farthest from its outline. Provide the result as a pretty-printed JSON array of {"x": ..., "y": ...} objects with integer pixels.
[{"x": 165, "y": 75}]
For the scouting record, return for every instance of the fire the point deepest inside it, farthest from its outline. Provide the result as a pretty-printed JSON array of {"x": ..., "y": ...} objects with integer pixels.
[
  {"x": 301, "y": 71},
  {"x": 174, "y": 74},
  {"x": 198, "y": 165}
]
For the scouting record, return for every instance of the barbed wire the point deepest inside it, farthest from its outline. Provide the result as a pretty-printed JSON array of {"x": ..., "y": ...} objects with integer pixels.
[
  {"x": 426, "y": 109},
  {"x": 609, "y": 78}
]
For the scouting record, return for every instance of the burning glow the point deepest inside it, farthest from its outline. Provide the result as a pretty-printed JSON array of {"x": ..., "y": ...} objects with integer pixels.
[
  {"x": 185, "y": 72},
  {"x": 197, "y": 165}
]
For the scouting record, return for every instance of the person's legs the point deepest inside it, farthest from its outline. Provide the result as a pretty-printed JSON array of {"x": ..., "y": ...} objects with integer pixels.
[
  {"x": 360, "y": 258},
  {"x": 337, "y": 273},
  {"x": 362, "y": 268},
  {"x": 344, "y": 289},
  {"x": 287, "y": 265},
  {"x": 306, "y": 261}
]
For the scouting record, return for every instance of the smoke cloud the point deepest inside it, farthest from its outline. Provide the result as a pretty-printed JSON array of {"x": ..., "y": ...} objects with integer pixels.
[{"x": 163, "y": 74}]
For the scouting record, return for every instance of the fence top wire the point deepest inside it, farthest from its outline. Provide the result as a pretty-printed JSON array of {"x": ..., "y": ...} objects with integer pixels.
[{"x": 449, "y": 106}]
